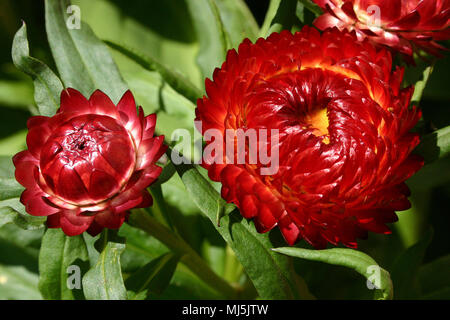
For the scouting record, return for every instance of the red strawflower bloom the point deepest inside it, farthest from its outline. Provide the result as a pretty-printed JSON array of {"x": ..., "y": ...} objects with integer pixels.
[
  {"x": 89, "y": 164},
  {"x": 344, "y": 141},
  {"x": 403, "y": 25}
]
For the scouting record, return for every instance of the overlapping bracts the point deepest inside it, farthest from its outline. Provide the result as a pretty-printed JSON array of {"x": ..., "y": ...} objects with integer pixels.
[
  {"x": 88, "y": 165},
  {"x": 403, "y": 25},
  {"x": 344, "y": 140}
]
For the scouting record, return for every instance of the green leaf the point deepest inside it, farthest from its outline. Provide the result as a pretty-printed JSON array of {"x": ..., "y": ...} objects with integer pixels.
[
  {"x": 435, "y": 145},
  {"x": 356, "y": 260},
  {"x": 175, "y": 79},
  {"x": 211, "y": 34},
  {"x": 311, "y": 6},
  {"x": 140, "y": 25},
  {"x": 83, "y": 61},
  {"x": 238, "y": 21},
  {"x": 104, "y": 281},
  {"x": 62, "y": 262},
  {"x": 17, "y": 283},
  {"x": 432, "y": 175},
  {"x": 47, "y": 86},
  {"x": 406, "y": 267},
  {"x": 271, "y": 274},
  {"x": 154, "y": 277},
  {"x": 432, "y": 276},
  {"x": 307, "y": 12},
  {"x": 166, "y": 174},
  {"x": 280, "y": 16},
  {"x": 420, "y": 85}
]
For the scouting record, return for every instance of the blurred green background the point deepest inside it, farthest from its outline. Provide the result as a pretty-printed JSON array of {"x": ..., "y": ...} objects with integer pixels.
[{"x": 164, "y": 30}]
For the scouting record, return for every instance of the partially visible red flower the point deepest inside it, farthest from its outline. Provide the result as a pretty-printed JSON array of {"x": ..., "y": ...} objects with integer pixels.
[
  {"x": 343, "y": 121},
  {"x": 89, "y": 164},
  {"x": 403, "y": 25}
]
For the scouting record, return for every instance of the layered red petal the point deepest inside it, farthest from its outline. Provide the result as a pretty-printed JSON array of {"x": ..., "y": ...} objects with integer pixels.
[
  {"x": 404, "y": 26},
  {"x": 89, "y": 164},
  {"x": 341, "y": 121}
]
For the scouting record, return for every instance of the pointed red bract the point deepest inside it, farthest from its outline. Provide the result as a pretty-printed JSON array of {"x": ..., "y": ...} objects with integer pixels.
[
  {"x": 343, "y": 122},
  {"x": 402, "y": 25},
  {"x": 88, "y": 165}
]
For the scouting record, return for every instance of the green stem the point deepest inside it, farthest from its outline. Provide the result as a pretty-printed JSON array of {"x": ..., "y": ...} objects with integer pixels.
[
  {"x": 142, "y": 220},
  {"x": 271, "y": 12}
]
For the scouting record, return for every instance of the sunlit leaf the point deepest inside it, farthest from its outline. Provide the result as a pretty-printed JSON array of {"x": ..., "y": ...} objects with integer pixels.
[
  {"x": 237, "y": 20},
  {"x": 212, "y": 36},
  {"x": 47, "y": 86},
  {"x": 280, "y": 16},
  {"x": 360, "y": 262},
  {"x": 62, "y": 262},
  {"x": 83, "y": 61},
  {"x": 104, "y": 281}
]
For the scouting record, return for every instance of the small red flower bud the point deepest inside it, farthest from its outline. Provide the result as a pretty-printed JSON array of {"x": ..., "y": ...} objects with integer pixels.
[
  {"x": 403, "y": 25},
  {"x": 344, "y": 142},
  {"x": 90, "y": 163}
]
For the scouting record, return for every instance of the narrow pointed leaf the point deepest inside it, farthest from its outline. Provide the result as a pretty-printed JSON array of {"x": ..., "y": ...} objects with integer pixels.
[
  {"x": 47, "y": 86},
  {"x": 238, "y": 21},
  {"x": 104, "y": 281},
  {"x": 211, "y": 34},
  {"x": 280, "y": 16},
  {"x": 83, "y": 61},
  {"x": 420, "y": 85},
  {"x": 435, "y": 145},
  {"x": 311, "y": 6},
  {"x": 62, "y": 262},
  {"x": 356, "y": 260}
]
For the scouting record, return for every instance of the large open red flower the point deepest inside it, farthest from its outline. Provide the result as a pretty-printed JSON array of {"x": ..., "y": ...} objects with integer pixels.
[
  {"x": 403, "y": 25},
  {"x": 89, "y": 164},
  {"x": 344, "y": 140}
]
